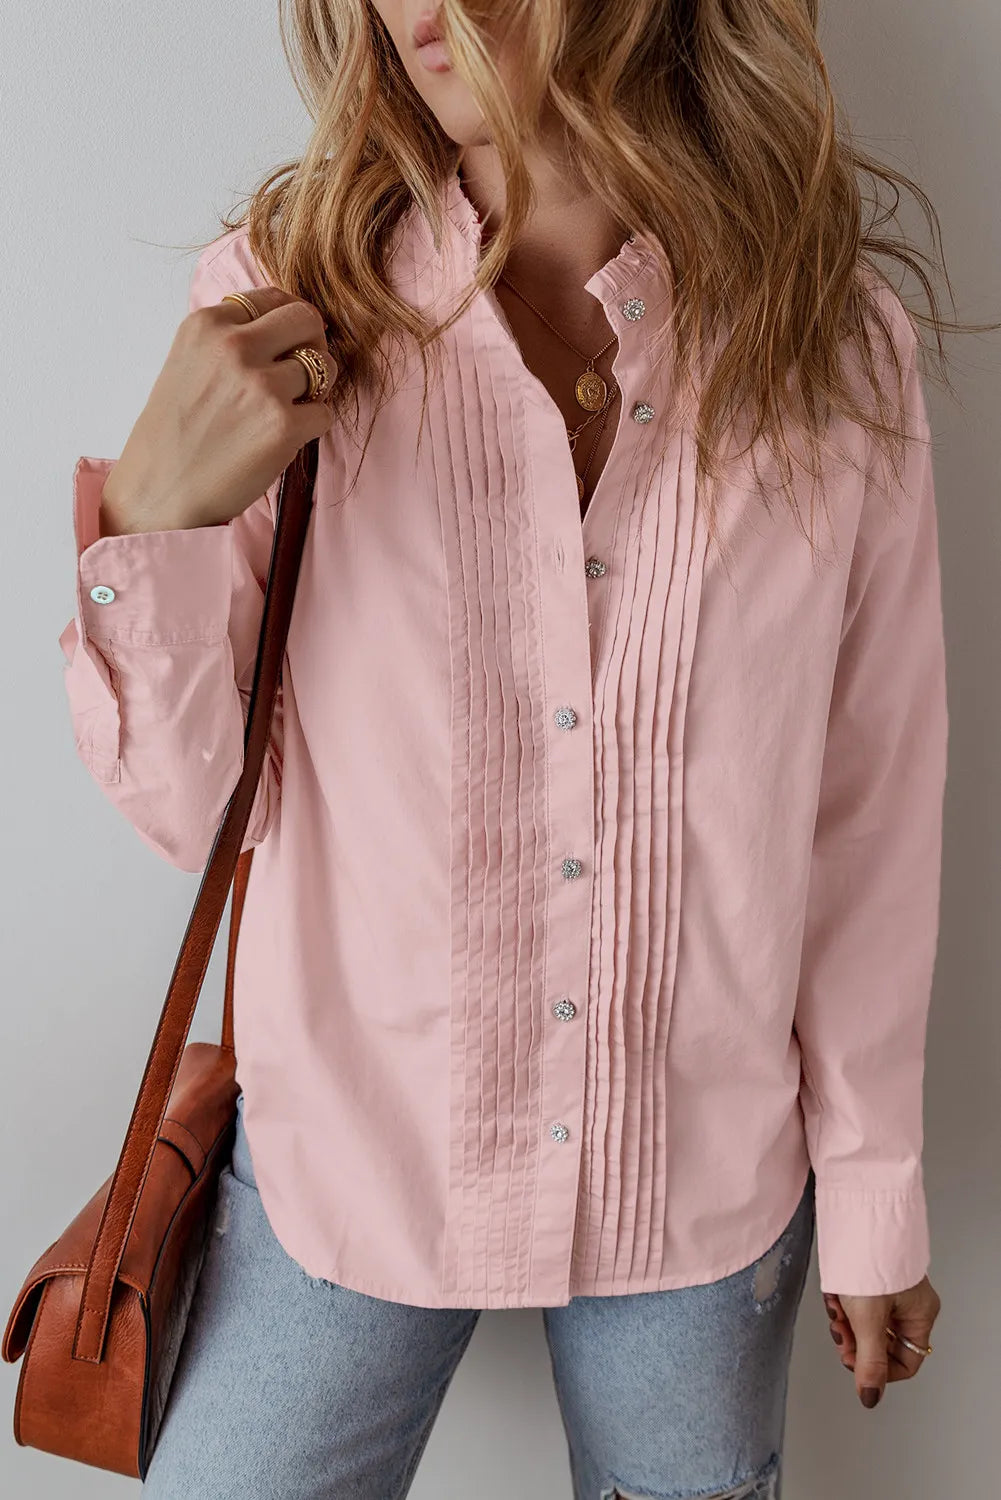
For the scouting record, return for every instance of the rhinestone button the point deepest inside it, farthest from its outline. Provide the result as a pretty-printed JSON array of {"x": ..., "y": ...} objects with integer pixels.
[
  {"x": 643, "y": 412},
  {"x": 565, "y": 718},
  {"x": 594, "y": 567},
  {"x": 572, "y": 868},
  {"x": 564, "y": 1010},
  {"x": 102, "y": 594},
  {"x": 559, "y": 1132},
  {"x": 633, "y": 309}
]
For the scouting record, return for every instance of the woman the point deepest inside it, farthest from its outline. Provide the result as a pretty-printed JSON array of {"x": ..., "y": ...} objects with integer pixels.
[{"x": 586, "y": 958}]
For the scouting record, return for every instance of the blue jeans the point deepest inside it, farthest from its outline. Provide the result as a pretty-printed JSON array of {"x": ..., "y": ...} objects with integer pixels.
[{"x": 291, "y": 1388}]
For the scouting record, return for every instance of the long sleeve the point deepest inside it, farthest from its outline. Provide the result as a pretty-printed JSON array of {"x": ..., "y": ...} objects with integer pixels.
[
  {"x": 159, "y": 660},
  {"x": 873, "y": 901}
]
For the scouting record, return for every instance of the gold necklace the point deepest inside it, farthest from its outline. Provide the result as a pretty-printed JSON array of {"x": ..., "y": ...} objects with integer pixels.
[
  {"x": 589, "y": 387},
  {"x": 594, "y": 447},
  {"x": 575, "y": 434},
  {"x": 591, "y": 390}
]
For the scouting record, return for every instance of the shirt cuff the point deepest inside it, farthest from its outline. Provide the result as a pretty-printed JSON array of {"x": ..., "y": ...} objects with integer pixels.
[
  {"x": 871, "y": 1242},
  {"x": 148, "y": 588}
]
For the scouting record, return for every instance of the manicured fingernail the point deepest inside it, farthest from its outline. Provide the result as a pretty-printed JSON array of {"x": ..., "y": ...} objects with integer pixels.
[
  {"x": 836, "y": 1336},
  {"x": 832, "y": 1311},
  {"x": 870, "y": 1395}
]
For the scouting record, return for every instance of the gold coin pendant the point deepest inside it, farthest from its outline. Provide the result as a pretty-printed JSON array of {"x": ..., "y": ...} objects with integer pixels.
[
  {"x": 591, "y": 391},
  {"x": 580, "y": 488}
]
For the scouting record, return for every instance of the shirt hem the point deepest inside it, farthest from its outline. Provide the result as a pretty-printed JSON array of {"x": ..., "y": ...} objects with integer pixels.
[{"x": 601, "y": 1286}]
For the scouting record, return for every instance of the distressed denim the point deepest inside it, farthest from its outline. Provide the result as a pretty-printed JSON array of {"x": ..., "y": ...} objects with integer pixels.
[{"x": 293, "y": 1388}]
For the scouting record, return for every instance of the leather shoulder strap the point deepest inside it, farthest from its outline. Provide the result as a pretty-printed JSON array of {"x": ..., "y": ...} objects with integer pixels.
[
  {"x": 235, "y": 913},
  {"x": 294, "y": 505}
]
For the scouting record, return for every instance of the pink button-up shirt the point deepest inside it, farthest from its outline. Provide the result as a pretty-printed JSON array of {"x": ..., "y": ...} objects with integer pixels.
[{"x": 597, "y": 878}]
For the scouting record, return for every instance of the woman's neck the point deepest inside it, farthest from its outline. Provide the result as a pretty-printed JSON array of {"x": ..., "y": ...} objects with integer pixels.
[{"x": 565, "y": 240}]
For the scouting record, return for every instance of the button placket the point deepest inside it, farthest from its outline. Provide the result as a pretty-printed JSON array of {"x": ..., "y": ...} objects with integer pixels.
[
  {"x": 566, "y": 705},
  {"x": 632, "y": 309},
  {"x": 572, "y": 868},
  {"x": 564, "y": 1088}
]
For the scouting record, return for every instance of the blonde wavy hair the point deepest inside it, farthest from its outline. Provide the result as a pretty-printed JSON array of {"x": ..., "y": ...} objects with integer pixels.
[{"x": 710, "y": 124}]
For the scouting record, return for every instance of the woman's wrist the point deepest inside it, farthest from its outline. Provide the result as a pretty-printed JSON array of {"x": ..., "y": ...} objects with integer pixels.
[{"x": 120, "y": 516}]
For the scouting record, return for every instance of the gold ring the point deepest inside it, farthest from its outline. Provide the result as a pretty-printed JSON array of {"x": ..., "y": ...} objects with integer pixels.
[
  {"x": 244, "y": 302},
  {"x": 315, "y": 366},
  {"x": 906, "y": 1341}
]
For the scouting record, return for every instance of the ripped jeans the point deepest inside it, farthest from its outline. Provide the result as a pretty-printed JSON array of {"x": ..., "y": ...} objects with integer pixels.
[{"x": 288, "y": 1388}]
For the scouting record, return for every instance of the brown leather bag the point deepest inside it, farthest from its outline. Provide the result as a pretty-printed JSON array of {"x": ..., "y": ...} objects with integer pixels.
[{"x": 101, "y": 1314}]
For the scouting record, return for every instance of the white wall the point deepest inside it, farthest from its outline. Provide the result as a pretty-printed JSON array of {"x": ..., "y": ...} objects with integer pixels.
[{"x": 124, "y": 128}]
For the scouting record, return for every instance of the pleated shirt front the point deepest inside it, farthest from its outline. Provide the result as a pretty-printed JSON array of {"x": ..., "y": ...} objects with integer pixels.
[{"x": 595, "y": 886}]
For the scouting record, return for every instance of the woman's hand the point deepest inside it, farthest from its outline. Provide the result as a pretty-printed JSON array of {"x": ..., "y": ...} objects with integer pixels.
[
  {"x": 221, "y": 422},
  {"x": 858, "y": 1327}
]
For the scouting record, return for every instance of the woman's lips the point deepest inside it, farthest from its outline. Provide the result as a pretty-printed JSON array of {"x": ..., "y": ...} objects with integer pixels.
[
  {"x": 434, "y": 56},
  {"x": 427, "y": 29},
  {"x": 428, "y": 40}
]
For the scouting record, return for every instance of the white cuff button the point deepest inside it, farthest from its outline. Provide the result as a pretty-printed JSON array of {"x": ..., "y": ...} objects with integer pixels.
[{"x": 102, "y": 594}]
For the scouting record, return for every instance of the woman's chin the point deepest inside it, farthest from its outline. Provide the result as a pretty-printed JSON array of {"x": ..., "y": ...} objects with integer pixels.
[{"x": 449, "y": 100}]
